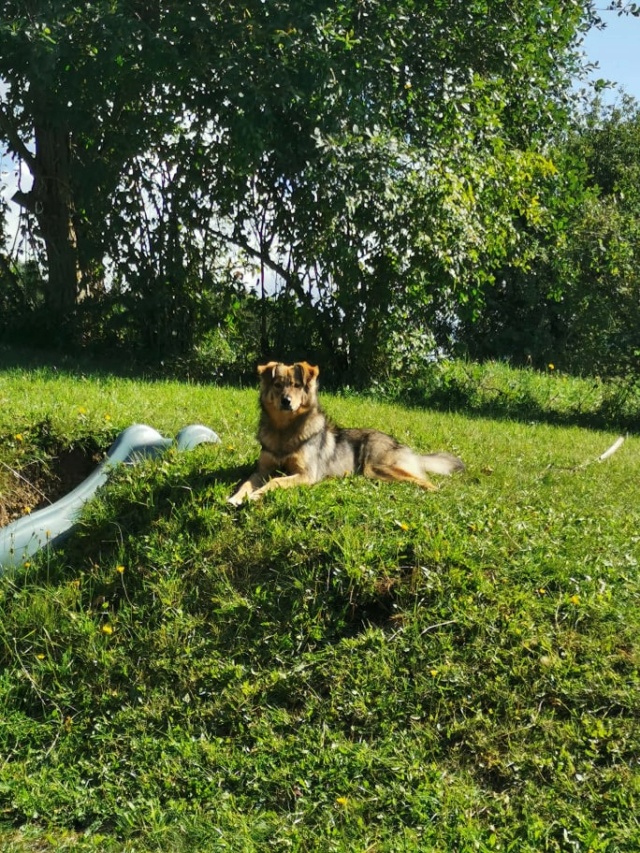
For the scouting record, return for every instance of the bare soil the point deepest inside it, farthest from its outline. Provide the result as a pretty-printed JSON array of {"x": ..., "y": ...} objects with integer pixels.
[{"x": 40, "y": 483}]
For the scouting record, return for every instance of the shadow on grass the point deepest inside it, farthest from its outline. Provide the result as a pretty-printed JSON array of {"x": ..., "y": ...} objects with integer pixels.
[
  {"x": 119, "y": 512},
  {"x": 618, "y": 406},
  {"x": 118, "y": 364},
  {"x": 607, "y": 416},
  {"x": 251, "y": 565}
]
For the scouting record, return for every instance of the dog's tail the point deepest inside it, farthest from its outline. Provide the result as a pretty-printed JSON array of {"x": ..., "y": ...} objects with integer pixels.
[{"x": 441, "y": 463}]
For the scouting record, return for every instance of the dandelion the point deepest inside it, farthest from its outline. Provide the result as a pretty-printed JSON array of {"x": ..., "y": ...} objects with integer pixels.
[
  {"x": 542, "y": 591},
  {"x": 433, "y": 673},
  {"x": 18, "y": 436},
  {"x": 82, "y": 410},
  {"x": 120, "y": 570},
  {"x": 40, "y": 656},
  {"x": 575, "y": 599},
  {"x": 402, "y": 525},
  {"x": 107, "y": 417},
  {"x": 107, "y": 629},
  {"x": 342, "y": 801},
  {"x": 551, "y": 366}
]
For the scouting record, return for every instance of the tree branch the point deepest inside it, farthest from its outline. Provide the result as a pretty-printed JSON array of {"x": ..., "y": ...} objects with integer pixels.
[
  {"x": 8, "y": 129},
  {"x": 291, "y": 279},
  {"x": 283, "y": 272}
]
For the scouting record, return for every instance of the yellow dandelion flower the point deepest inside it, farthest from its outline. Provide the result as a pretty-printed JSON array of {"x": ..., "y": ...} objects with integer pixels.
[
  {"x": 120, "y": 570},
  {"x": 107, "y": 629},
  {"x": 551, "y": 366},
  {"x": 82, "y": 410},
  {"x": 18, "y": 436},
  {"x": 342, "y": 801},
  {"x": 575, "y": 599}
]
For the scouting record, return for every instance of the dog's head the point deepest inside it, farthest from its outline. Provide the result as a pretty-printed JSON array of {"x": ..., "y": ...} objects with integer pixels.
[{"x": 288, "y": 387}]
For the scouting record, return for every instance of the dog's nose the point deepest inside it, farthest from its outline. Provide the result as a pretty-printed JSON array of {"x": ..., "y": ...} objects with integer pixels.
[{"x": 285, "y": 403}]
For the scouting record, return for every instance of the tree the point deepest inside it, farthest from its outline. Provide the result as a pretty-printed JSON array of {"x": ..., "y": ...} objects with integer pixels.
[
  {"x": 577, "y": 304},
  {"x": 601, "y": 261},
  {"x": 380, "y": 157},
  {"x": 78, "y": 105},
  {"x": 398, "y": 146}
]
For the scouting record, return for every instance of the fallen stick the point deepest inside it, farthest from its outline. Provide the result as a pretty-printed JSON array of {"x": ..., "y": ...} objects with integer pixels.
[{"x": 617, "y": 444}]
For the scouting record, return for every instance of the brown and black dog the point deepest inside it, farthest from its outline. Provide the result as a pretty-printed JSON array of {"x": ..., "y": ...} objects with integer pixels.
[{"x": 298, "y": 439}]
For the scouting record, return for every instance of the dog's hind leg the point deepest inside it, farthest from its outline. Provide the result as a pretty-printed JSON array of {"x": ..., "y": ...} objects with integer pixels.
[{"x": 396, "y": 473}]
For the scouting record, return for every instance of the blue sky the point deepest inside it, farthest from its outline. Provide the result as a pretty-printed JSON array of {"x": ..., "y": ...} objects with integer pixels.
[{"x": 617, "y": 51}]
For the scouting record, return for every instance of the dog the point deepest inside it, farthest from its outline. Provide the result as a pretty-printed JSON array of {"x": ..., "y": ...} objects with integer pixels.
[{"x": 299, "y": 440}]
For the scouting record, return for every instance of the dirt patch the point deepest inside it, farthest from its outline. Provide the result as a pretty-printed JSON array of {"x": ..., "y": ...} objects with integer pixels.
[{"x": 43, "y": 482}]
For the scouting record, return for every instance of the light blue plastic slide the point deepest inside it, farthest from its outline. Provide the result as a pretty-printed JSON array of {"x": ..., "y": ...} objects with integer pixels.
[{"x": 48, "y": 526}]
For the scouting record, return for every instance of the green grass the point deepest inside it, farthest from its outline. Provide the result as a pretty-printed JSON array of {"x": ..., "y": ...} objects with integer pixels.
[{"x": 353, "y": 667}]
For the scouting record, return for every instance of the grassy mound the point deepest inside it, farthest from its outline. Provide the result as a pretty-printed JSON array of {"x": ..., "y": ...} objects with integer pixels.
[{"x": 356, "y": 666}]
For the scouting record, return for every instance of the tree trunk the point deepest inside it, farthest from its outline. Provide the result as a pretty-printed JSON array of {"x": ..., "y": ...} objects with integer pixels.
[
  {"x": 51, "y": 202},
  {"x": 54, "y": 211}
]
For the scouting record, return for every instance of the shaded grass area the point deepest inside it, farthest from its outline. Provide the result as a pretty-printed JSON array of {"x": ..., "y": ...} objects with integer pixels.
[
  {"x": 492, "y": 389},
  {"x": 496, "y": 390},
  {"x": 357, "y": 666}
]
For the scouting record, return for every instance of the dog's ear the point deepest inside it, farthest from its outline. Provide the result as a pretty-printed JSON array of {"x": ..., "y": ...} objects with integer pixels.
[
  {"x": 309, "y": 373},
  {"x": 267, "y": 368}
]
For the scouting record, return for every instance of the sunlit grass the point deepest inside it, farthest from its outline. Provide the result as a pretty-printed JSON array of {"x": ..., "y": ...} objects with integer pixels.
[{"x": 356, "y": 666}]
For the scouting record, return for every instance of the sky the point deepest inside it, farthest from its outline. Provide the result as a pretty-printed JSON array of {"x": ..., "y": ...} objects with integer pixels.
[{"x": 617, "y": 51}]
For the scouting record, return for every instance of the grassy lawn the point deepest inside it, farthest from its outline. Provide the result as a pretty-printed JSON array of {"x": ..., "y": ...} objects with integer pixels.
[{"x": 354, "y": 667}]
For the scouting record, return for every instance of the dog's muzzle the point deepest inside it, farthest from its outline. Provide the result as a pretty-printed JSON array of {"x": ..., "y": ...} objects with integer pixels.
[{"x": 285, "y": 403}]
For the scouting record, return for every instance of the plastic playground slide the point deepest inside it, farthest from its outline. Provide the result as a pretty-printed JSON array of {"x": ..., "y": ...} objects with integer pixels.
[{"x": 48, "y": 526}]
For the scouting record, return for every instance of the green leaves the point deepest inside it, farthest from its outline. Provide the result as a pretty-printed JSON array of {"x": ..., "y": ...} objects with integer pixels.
[{"x": 381, "y": 160}]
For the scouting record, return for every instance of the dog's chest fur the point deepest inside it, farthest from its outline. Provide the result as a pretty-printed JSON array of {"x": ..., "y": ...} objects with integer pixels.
[{"x": 284, "y": 440}]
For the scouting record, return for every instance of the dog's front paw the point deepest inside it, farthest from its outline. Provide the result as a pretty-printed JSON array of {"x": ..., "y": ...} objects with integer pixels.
[{"x": 235, "y": 500}]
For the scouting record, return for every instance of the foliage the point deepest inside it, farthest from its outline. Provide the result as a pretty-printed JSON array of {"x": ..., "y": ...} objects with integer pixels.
[
  {"x": 576, "y": 303},
  {"x": 380, "y": 159},
  {"x": 351, "y": 666},
  {"x": 604, "y": 252},
  {"x": 412, "y": 169},
  {"x": 21, "y": 301}
]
